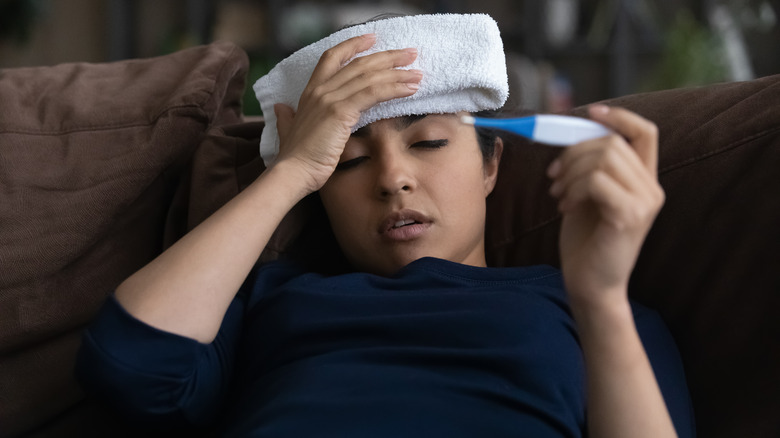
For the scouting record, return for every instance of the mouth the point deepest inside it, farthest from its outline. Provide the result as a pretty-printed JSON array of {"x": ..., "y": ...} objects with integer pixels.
[
  {"x": 404, "y": 225},
  {"x": 404, "y": 222}
]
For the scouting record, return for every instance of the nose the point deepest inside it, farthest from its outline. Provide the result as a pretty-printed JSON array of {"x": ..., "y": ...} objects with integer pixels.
[{"x": 394, "y": 175}]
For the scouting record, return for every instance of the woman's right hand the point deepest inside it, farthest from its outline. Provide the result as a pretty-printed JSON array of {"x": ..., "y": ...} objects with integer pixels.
[{"x": 313, "y": 138}]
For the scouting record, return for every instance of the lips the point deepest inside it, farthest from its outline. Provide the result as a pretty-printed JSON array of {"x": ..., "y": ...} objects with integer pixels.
[
  {"x": 403, "y": 222},
  {"x": 404, "y": 225}
]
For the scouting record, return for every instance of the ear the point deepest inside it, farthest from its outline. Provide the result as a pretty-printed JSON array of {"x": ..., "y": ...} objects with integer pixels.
[{"x": 491, "y": 166}]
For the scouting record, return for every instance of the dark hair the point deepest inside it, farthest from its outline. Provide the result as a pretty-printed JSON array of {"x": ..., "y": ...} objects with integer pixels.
[
  {"x": 486, "y": 137},
  {"x": 315, "y": 247}
]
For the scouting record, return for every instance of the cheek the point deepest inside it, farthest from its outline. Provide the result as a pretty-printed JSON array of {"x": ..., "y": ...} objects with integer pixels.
[
  {"x": 464, "y": 194},
  {"x": 466, "y": 180}
]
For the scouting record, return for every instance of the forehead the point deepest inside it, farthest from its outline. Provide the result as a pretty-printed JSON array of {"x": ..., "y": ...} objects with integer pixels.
[{"x": 403, "y": 122}]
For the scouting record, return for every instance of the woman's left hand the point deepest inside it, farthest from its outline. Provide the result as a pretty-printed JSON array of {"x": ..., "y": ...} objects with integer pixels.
[{"x": 609, "y": 195}]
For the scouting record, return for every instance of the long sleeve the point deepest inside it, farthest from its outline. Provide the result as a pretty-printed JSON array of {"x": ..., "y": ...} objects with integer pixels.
[
  {"x": 668, "y": 368},
  {"x": 156, "y": 377}
]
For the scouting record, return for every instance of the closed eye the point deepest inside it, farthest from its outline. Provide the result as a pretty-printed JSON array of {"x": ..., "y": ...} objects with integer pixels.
[
  {"x": 426, "y": 144},
  {"x": 430, "y": 144},
  {"x": 349, "y": 164}
]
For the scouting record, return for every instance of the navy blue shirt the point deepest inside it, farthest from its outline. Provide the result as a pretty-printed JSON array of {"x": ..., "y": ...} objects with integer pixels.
[{"x": 439, "y": 349}]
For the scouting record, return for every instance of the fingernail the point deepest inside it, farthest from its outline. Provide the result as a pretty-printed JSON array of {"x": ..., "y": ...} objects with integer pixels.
[
  {"x": 599, "y": 109},
  {"x": 411, "y": 50},
  {"x": 413, "y": 85}
]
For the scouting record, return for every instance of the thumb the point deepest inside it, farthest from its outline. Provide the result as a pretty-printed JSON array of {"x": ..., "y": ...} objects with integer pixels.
[{"x": 284, "y": 119}]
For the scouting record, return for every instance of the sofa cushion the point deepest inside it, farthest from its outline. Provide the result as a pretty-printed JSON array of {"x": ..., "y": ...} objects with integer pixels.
[{"x": 91, "y": 156}]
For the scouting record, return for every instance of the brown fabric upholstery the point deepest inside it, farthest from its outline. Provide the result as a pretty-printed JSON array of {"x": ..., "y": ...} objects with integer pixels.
[
  {"x": 91, "y": 156},
  {"x": 102, "y": 166}
]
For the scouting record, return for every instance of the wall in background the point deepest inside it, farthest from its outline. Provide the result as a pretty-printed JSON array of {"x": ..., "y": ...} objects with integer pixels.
[
  {"x": 560, "y": 52},
  {"x": 63, "y": 31}
]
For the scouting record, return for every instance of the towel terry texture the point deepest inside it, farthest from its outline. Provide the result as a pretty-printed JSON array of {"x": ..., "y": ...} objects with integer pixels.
[{"x": 461, "y": 57}]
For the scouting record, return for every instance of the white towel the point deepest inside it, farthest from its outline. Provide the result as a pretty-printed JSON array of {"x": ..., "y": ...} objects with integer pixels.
[{"x": 461, "y": 58}]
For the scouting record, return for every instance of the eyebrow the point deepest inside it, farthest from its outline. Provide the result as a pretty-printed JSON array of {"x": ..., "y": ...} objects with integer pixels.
[{"x": 402, "y": 123}]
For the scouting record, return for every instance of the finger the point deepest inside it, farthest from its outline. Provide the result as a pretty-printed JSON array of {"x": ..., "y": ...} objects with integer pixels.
[
  {"x": 385, "y": 59},
  {"x": 641, "y": 133},
  {"x": 369, "y": 96},
  {"x": 597, "y": 188},
  {"x": 333, "y": 59},
  {"x": 374, "y": 87},
  {"x": 609, "y": 198},
  {"x": 349, "y": 101},
  {"x": 617, "y": 205},
  {"x": 368, "y": 65},
  {"x": 611, "y": 155}
]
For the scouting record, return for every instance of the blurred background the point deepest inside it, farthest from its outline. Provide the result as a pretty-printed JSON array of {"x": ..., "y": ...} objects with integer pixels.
[{"x": 560, "y": 53}]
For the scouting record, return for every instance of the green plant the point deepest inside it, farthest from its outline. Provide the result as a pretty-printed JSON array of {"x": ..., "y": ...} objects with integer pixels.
[{"x": 692, "y": 55}]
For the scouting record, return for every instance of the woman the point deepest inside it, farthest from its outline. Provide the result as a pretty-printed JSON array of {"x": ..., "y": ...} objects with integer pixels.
[{"x": 423, "y": 338}]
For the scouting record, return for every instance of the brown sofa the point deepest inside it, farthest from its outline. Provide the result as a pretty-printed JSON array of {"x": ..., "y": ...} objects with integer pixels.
[{"x": 104, "y": 165}]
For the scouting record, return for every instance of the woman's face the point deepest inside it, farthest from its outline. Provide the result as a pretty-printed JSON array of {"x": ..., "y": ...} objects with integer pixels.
[{"x": 410, "y": 187}]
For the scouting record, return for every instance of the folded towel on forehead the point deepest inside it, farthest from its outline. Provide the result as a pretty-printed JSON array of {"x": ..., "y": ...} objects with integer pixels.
[{"x": 461, "y": 57}]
